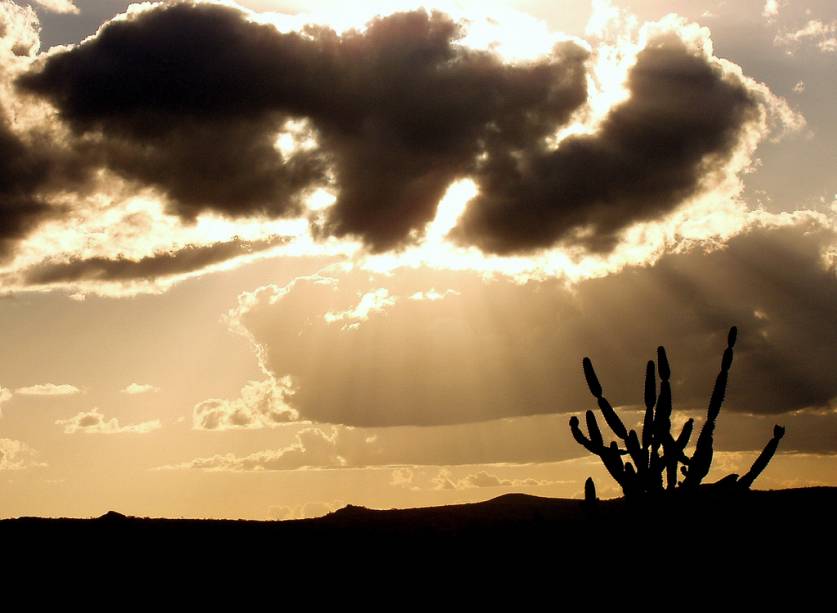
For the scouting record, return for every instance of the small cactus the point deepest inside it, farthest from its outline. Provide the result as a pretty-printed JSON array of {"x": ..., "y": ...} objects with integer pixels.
[
  {"x": 590, "y": 491},
  {"x": 656, "y": 450}
]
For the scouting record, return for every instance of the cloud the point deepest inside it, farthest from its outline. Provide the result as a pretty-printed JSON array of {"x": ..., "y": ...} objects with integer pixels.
[
  {"x": 683, "y": 120},
  {"x": 16, "y": 455},
  {"x": 410, "y": 452},
  {"x": 432, "y": 294},
  {"x": 313, "y": 447},
  {"x": 184, "y": 260},
  {"x": 21, "y": 172},
  {"x": 93, "y": 422},
  {"x": 58, "y": 6},
  {"x": 5, "y": 396},
  {"x": 500, "y": 349},
  {"x": 394, "y": 114},
  {"x": 131, "y": 247},
  {"x": 307, "y": 510},
  {"x": 808, "y": 431},
  {"x": 105, "y": 179},
  {"x": 262, "y": 404},
  {"x": 48, "y": 389},
  {"x": 18, "y": 32},
  {"x": 824, "y": 34},
  {"x": 139, "y": 388},
  {"x": 205, "y": 137},
  {"x": 771, "y": 9},
  {"x": 32, "y": 163},
  {"x": 68, "y": 223},
  {"x": 397, "y": 112},
  {"x": 403, "y": 477},
  {"x": 540, "y": 438},
  {"x": 372, "y": 302},
  {"x": 445, "y": 480}
]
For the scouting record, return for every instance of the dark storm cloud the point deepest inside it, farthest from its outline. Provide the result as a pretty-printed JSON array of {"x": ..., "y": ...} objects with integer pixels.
[
  {"x": 22, "y": 171},
  {"x": 806, "y": 432},
  {"x": 505, "y": 350},
  {"x": 683, "y": 119},
  {"x": 185, "y": 99},
  {"x": 771, "y": 282},
  {"x": 189, "y": 98},
  {"x": 28, "y": 172},
  {"x": 171, "y": 263},
  {"x": 31, "y": 164},
  {"x": 416, "y": 111}
]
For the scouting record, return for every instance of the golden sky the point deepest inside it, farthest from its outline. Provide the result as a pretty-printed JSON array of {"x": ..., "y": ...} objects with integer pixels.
[{"x": 264, "y": 259}]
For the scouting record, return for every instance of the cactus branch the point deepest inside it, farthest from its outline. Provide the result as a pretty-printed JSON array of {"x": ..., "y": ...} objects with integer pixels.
[
  {"x": 650, "y": 401},
  {"x": 579, "y": 437},
  {"x": 656, "y": 450},
  {"x": 764, "y": 457},
  {"x": 702, "y": 458},
  {"x": 608, "y": 413},
  {"x": 612, "y": 418},
  {"x": 593, "y": 430}
]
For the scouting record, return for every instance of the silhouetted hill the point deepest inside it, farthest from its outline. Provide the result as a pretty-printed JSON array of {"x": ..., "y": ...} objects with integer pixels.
[{"x": 770, "y": 528}]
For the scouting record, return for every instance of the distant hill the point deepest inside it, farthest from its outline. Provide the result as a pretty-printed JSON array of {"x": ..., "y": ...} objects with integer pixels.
[{"x": 769, "y": 527}]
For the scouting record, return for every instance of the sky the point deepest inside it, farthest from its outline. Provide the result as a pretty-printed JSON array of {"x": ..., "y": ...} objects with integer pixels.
[{"x": 263, "y": 259}]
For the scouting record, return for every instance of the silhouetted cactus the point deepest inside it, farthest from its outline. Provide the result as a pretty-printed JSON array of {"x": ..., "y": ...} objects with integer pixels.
[
  {"x": 702, "y": 458},
  {"x": 764, "y": 457},
  {"x": 589, "y": 491},
  {"x": 643, "y": 474}
]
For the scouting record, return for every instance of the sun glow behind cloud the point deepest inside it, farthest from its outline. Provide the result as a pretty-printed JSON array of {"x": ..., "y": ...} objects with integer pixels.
[
  {"x": 115, "y": 223},
  {"x": 490, "y": 25}
]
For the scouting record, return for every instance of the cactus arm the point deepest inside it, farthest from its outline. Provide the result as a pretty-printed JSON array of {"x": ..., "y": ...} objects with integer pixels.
[
  {"x": 733, "y": 334},
  {"x": 636, "y": 452},
  {"x": 662, "y": 364},
  {"x": 670, "y": 459},
  {"x": 612, "y": 459},
  {"x": 579, "y": 437},
  {"x": 685, "y": 434},
  {"x": 662, "y": 422},
  {"x": 612, "y": 419},
  {"x": 655, "y": 471},
  {"x": 683, "y": 440},
  {"x": 717, "y": 398},
  {"x": 662, "y": 415},
  {"x": 632, "y": 483},
  {"x": 764, "y": 457},
  {"x": 702, "y": 458},
  {"x": 671, "y": 473},
  {"x": 593, "y": 430},
  {"x": 609, "y": 414},
  {"x": 650, "y": 401},
  {"x": 592, "y": 379},
  {"x": 727, "y": 482}
]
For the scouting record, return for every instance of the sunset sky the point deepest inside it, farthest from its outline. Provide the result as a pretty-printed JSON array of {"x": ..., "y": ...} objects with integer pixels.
[{"x": 263, "y": 259}]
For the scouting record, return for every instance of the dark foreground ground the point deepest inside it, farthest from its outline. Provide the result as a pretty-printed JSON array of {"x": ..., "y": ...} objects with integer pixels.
[{"x": 792, "y": 533}]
